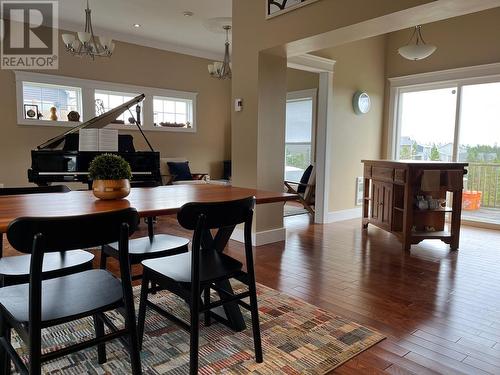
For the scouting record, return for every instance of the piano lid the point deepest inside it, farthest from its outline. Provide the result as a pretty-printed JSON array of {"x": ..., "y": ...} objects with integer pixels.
[{"x": 94, "y": 123}]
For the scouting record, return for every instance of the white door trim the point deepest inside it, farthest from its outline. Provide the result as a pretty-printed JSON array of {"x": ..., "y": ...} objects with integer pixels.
[{"x": 325, "y": 68}]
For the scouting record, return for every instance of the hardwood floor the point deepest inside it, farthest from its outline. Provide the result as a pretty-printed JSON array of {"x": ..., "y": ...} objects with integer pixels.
[{"x": 440, "y": 310}]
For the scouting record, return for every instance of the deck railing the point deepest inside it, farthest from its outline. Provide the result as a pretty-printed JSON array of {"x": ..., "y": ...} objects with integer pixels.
[{"x": 485, "y": 177}]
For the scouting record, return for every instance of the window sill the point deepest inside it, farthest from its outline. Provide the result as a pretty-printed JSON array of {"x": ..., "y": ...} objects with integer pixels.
[{"x": 72, "y": 124}]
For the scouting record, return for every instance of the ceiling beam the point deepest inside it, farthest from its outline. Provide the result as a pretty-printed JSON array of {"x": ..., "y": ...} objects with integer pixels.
[{"x": 419, "y": 15}]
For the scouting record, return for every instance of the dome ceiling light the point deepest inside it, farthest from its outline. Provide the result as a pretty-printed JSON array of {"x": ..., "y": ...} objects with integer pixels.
[{"x": 417, "y": 49}]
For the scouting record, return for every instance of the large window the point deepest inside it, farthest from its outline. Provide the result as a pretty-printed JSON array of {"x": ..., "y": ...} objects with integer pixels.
[
  {"x": 39, "y": 101},
  {"x": 459, "y": 121},
  {"x": 39, "y": 96},
  {"x": 299, "y": 133},
  {"x": 427, "y": 124}
]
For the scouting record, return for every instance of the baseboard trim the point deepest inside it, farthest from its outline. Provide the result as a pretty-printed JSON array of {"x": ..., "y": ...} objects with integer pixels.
[
  {"x": 480, "y": 224},
  {"x": 335, "y": 216},
  {"x": 261, "y": 238}
]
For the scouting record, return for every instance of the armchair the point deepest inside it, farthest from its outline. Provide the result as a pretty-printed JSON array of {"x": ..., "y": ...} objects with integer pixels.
[{"x": 304, "y": 189}]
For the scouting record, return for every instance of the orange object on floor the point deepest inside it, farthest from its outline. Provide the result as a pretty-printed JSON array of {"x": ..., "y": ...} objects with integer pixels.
[{"x": 471, "y": 200}]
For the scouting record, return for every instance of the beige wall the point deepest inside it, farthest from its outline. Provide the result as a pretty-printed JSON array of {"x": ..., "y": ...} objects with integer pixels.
[
  {"x": 130, "y": 64},
  {"x": 253, "y": 36},
  {"x": 462, "y": 41},
  {"x": 360, "y": 66},
  {"x": 297, "y": 80}
]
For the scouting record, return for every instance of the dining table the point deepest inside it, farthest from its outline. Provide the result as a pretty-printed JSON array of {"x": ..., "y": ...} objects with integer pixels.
[{"x": 149, "y": 202}]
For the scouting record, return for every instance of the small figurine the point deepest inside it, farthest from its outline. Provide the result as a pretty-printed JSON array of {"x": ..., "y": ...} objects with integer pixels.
[
  {"x": 73, "y": 116},
  {"x": 53, "y": 114}
]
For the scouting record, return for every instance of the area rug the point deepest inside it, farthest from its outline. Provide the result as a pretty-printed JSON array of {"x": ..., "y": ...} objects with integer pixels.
[
  {"x": 293, "y": 210},
  {"x": 297, "y": 338}
]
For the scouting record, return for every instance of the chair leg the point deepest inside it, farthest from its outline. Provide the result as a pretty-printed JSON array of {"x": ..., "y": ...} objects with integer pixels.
[
  {"x": 255, "y": 320},
  {"x": 194, "y": 331},
  {"x": 206, "y": 301},
  {"x": 99, "y": 332},
  {"x": 142, "y": 308},
  {"x": 35, "y": 352},
  {"x": 135, "y": 356},
  {"x": 4, "y": 357},
  {"x": 104, "y": 258}
]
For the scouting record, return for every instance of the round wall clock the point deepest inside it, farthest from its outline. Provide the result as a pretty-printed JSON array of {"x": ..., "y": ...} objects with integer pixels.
[{"x": 361, "y": 103}]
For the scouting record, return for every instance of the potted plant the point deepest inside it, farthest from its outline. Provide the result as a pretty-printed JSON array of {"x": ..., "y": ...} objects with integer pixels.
[{"x": 110, "y": 175}]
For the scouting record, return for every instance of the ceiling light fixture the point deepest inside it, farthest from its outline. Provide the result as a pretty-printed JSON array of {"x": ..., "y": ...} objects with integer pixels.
[
  {"x": 137, "y": 25},
  {"x": 188, "y": 13},
  {"x": 222, "y": 69},
  {"x": 86, "y": 44},
  {"x": 418, "y": 50}
]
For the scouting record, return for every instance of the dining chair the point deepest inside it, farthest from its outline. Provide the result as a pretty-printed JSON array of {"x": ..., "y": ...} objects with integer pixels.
[
  {"x": 29, "y": 308},
  {"x": 150, "y": 247},
  {"x": 16, "y": 269},
  {"x": 189, "y": 275}
]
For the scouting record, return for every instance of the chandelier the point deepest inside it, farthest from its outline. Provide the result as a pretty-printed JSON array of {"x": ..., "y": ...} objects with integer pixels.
[
  {"x": 418, "y": 50},
  {"x": 222, "y": 69},
  {"x": 85, "y": 43}
]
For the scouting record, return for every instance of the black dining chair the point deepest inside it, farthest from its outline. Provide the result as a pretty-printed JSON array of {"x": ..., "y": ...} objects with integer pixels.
[
  {"x": 150, "y": 247},
  {"x": 16, "y": 269},
  {"x": 188, "y": 275},
  {"x": 29, "y": 308}
]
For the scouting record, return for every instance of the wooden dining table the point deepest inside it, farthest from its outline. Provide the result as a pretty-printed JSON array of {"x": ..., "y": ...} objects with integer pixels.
[{"x": 149, "y": 202}]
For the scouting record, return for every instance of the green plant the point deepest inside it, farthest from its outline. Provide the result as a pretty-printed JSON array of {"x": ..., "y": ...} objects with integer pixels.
[
  {"x": 435, "y": 155},
  {"x": 109, "y": 167}
]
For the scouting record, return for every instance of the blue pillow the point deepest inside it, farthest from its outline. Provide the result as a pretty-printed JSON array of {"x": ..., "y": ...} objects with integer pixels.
[{"x": 180, "y": 170}]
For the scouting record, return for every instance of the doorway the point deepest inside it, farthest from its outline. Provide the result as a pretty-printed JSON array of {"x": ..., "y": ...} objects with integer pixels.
[{"x": 300, "y": 138}]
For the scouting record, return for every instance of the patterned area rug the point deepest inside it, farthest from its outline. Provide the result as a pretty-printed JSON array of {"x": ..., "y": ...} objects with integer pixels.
[
  {"x": 292, "y": 210},
  {"x": 297, "y": 338}
]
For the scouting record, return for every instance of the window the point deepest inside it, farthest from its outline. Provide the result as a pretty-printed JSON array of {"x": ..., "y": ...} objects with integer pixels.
[
  {"x": 172, "y": 112},
  {"x": 107, "y": 100},
  {"x": 427, "y": 134},
  {"x": 299, "y": 133},
  {"x": 455, "y": 120},
  {"x": 162, "y": 109},
  {"x": 42, "y": 97}
]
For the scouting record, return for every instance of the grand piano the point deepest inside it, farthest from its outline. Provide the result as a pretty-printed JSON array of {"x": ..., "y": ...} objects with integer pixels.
[{"x": 59, "y": 160}]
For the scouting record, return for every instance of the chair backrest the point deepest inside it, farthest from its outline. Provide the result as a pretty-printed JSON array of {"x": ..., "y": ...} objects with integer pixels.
[
  {"x": 306, "y": 176},
  {"x": 216, "y": 214},
  {"x": 310, "y": 189},
  {"x": 71, "y": 232},
  {"x": 35, "y": 190}
]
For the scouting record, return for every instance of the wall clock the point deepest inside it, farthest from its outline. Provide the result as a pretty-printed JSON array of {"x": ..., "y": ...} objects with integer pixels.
[{"x": 361, "y": 103}]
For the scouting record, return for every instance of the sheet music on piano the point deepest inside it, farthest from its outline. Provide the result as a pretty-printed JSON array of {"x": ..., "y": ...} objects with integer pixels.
[{"x": 98, "y": 140}]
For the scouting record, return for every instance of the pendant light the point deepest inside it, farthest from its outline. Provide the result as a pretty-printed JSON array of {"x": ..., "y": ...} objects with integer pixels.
[
  {"x": 222, "y": 69},
  {"x": 416, "y": 48},
  {"x": 85, "y": 43}
]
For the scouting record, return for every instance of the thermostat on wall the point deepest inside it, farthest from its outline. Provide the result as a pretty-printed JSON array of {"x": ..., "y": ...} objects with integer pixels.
[
  {"x": 238, "y": 105},
  {"x": 361, "y": 103}
]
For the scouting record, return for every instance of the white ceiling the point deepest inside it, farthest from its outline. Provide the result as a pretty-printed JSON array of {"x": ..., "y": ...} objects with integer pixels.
[{"x": 163, "y": 24}]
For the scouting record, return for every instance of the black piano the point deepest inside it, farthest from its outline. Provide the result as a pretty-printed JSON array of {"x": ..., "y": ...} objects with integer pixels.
[{"x": 58, "y": 159}]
